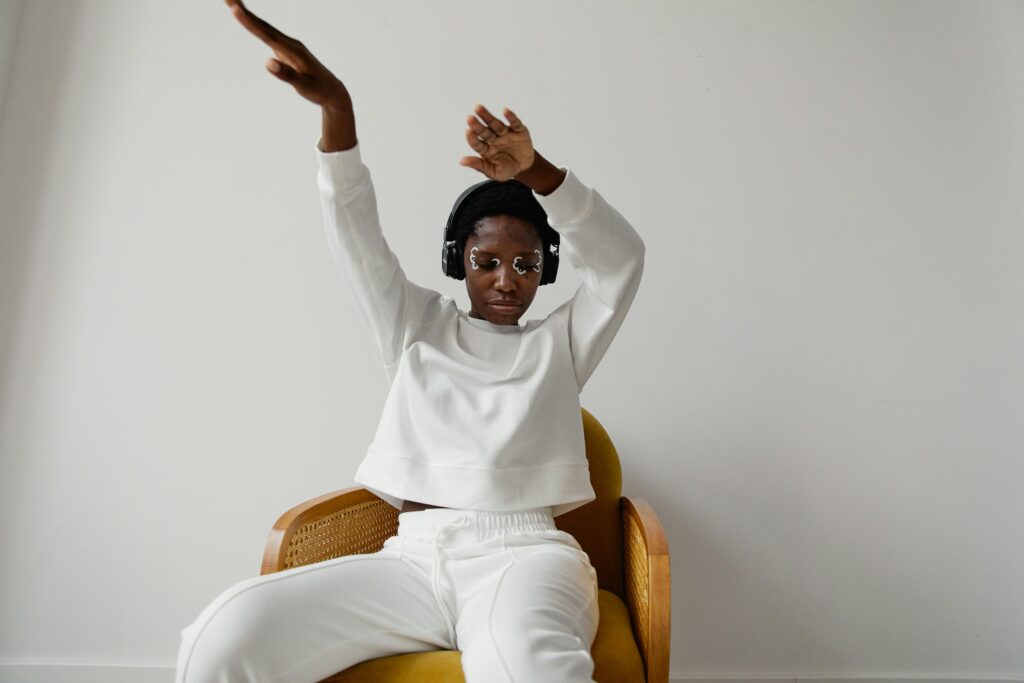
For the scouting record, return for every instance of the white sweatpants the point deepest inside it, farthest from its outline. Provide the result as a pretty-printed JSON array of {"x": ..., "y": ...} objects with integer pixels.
[{"x": 517, "y": 596}]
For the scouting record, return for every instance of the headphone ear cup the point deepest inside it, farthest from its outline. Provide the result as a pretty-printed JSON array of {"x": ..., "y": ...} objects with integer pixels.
[
  {"x": 455, "y": 266},
  {"x": 550, "y": 270},
  {"x": 551, "y": 261},
  {"x": 451, "y": 255},
  {"x": 451, "y": 261}
]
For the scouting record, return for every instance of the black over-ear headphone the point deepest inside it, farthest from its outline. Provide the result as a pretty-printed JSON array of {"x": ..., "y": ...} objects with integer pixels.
[{"x": 452, "y": 258}]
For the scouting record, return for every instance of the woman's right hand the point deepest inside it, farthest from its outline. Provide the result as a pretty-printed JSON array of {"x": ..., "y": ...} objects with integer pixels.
[{"x": 295, "y": 64}]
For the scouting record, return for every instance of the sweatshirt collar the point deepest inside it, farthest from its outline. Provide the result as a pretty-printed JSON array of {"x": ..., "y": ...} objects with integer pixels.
[{"x": 488, "y": 325}]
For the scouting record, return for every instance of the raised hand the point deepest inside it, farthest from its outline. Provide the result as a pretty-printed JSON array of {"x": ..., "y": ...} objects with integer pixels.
[
  {"x": 505, "y": 150},
  {"x": 295, "y": 64}
]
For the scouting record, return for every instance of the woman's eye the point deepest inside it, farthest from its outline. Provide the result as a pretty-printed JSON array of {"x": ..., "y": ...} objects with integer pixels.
[{"x": 491, "y": 266}]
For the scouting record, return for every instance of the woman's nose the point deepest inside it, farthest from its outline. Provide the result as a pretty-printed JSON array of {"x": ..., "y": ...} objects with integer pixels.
[{"x": 506, "y": 279}]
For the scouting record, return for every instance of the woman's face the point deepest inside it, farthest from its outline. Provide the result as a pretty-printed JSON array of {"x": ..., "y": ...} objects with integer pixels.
[{"x": 503, "y": 262}]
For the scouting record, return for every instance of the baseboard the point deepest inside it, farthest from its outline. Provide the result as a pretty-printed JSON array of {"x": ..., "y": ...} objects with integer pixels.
[
  {"x": 845, "y": 678},
  {"x": 27, "y": 672}
]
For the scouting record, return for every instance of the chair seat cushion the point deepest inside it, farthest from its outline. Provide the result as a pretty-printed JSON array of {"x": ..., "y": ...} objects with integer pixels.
[{"x": 616, "y": 657}]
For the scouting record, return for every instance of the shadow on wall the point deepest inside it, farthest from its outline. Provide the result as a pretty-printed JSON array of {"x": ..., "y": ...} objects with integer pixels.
[{"x": 37, "y": 69}]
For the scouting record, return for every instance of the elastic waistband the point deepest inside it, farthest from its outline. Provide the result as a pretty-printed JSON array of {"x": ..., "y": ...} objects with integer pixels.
[{"x": 479, "y": 524}]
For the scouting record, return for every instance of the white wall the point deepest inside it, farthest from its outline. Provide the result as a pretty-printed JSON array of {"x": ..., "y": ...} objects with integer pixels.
[
  {"x": 820, "y": 386},
  {"x": 10, "y": 12}
]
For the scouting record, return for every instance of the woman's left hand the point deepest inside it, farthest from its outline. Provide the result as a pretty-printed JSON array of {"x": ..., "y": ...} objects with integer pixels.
[{"x": 505, "y": 150}]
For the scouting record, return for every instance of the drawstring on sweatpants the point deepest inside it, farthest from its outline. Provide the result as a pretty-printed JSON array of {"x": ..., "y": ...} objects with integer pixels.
[{"x": 442, "y": 532}]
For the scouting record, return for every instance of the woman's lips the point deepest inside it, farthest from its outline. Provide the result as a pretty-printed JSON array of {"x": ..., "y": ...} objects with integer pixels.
[{"x": 505, "y": 308}]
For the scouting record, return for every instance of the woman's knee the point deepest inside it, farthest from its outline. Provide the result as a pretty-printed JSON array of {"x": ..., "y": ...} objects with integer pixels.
[
  {"x": 261, "y": 626},
  {"x": 225, "y": 640},
  {"x": 536, "y": 624}
]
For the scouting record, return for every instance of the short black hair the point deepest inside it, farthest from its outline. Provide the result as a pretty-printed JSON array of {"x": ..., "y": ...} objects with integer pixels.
[{"x": 510, "y": 198}]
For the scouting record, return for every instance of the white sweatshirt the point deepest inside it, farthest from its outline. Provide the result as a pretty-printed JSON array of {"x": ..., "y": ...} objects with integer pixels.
[{"x": 481, "y": 416}]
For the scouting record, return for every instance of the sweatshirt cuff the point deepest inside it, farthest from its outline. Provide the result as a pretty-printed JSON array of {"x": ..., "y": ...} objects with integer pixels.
[
  {"x": 569, "y": 203},
  {"x": 340, "y": 170}
]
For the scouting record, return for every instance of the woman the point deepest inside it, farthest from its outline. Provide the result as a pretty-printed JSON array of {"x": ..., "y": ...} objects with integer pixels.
[{"x": 480, "y": 444}]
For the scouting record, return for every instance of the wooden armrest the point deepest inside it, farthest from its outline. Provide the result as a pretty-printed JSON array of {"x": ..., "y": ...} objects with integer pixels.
[
  {"x": 648, "y": 590},
  {"x": 344, "y": 522}
]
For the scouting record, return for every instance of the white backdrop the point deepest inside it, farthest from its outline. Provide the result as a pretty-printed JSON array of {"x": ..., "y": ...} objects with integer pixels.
[{"x": 820, "y": 386}]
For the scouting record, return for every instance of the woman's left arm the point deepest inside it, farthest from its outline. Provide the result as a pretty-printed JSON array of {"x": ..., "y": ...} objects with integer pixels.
[
  {"x": 607, "y": 254},
  {"x": 602, "y": 246},
  {"x": 543, "y": 177}
]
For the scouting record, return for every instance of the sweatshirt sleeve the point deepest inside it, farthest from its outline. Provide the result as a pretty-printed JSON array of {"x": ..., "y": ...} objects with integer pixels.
[
  {"x": 608, "y": 255},
  {"x": 392, "y": 306}
]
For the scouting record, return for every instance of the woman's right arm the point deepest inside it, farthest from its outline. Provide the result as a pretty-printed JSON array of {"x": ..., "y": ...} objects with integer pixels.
[
  {"x": 391, "y": 305},
  {"x": 339, "y": 127}
]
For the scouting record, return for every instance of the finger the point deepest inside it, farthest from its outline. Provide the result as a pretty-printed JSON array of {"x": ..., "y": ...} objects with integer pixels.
[
  {"x": 250, "y": 21},
  {"x": 513, "y": 120},
  {"x": 287, "y": 49},
  {"x": 282, "y": 70},
  {"x": 475, "y": 163},
  {"x": 493, "y": 123},
  {"x": 482, "y": 131},
  {"x": 258, "y": 27},
  {"x": 475, "y": 143}
]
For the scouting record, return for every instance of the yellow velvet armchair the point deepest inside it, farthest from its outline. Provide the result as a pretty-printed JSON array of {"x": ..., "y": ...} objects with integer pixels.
[{"x": 622, "y": 536}]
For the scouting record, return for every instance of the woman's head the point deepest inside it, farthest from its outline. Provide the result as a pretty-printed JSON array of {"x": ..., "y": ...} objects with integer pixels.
[{"x": 503, "y": 235}]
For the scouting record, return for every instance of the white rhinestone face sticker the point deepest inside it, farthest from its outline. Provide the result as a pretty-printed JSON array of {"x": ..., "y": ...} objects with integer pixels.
[
  {"x": 535, "y": 268},
  {"x": 517, "y": 263},
  {"x": 472, "y": 259}
]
